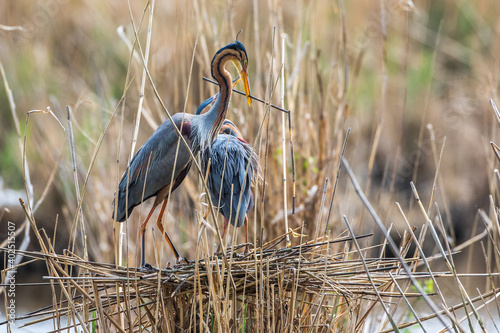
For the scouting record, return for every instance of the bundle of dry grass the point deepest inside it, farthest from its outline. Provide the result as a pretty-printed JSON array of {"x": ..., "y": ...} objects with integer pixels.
[{"x": 327, "y": 285}]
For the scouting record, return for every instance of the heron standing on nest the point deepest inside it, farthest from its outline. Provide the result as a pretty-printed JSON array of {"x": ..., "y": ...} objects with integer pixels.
[{"x": 157, "y": 168}]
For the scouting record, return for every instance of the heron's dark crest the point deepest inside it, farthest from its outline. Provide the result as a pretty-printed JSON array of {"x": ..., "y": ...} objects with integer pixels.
[{"x": 239, "y": 32}]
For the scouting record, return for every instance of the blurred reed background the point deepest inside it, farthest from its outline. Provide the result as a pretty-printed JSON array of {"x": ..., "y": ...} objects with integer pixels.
[{"x": 404, "y": 79}]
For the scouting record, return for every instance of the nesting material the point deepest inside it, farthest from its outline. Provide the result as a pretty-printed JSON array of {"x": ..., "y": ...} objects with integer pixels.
[{"x": 313, "y": 285}]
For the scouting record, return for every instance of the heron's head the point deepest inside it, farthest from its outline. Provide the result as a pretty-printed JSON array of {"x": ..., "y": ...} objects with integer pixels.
[
  {"x": 229, "y": 128},
  {"x": 237, "y": 54}
]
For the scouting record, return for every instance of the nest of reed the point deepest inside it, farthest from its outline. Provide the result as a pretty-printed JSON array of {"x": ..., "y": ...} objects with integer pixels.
[{"x": 323, "y": 285}]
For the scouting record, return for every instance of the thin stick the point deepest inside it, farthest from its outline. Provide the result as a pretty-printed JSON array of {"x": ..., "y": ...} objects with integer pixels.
[
  {"x": 143, "y": 82},
  {"x": 123, "y": 231},
  {"x": 495, "y": 110},
  {"x": 407, "y": 302},
  {"x": 320, "y": 213},
  {"x": 293, "y": 160},
  {"x": 268, "y": 115},
  {"x": 436, "y": 175},
  {"x": 339, "y": 168},
  {"x": 77, "y": 186},
  {"x": 118, "y": 248},
  {"x": 496, "y": 149},
  {"x": 288, "y": 242},
  {"x": 252, "y": 97},
  {"x": 426, "y": 105}
]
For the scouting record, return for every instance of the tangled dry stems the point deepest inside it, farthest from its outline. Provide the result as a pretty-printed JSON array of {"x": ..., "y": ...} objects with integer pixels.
[{"x": 316, "y": 286}]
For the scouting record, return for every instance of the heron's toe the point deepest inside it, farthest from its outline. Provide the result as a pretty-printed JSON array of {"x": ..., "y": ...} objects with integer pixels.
[
  {"x": 182, "y": 260},
  {"x": 146, "y": 267}
]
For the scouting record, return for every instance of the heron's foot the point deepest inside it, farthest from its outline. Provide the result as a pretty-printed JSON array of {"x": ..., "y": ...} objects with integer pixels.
[
  {"x": 181, "y": 260},
  {"x": 145, "y": 267}
]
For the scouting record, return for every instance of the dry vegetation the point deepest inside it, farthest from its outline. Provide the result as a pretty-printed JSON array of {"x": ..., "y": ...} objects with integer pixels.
[{"x": 413, "y": 86}]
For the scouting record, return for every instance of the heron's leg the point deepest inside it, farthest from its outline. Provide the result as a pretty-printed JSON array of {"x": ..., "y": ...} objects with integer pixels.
[
  {"x": 226, "y": 222},
  {"x": 247, "y": 247},
  {"x": 159, "y": 223},
  {"x": 142, "y": 230}
]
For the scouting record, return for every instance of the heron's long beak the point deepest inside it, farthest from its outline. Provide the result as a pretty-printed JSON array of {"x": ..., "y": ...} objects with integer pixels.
[{"x": 246, "y": 86}]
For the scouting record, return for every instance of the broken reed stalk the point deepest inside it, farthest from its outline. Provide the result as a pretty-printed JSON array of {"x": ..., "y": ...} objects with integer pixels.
[
  {"x": 77, "y": 187},
  {"x": 283, "y": 138}
]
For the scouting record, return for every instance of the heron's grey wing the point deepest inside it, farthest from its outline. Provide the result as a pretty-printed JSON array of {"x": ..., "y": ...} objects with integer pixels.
[
  {"x": 254, "y": 172},
  {"x": 152, "y": 166},
  {"x": 227, "y": 176}
]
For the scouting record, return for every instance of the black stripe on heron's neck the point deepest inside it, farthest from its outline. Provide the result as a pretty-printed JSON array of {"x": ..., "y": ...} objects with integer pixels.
[{"x": 222, "y": 76}]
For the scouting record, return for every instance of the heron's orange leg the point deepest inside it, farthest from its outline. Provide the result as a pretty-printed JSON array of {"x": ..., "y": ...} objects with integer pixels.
[
  {"x": 247, "y": 247},
  {"x": 142, "y": 230},
  {"x": 159, "y": 223},
  {"x": 226, "y": 222}
]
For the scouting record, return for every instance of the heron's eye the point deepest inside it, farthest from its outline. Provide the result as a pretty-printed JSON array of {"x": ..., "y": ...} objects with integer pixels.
[{"x": 245, "y": 63}]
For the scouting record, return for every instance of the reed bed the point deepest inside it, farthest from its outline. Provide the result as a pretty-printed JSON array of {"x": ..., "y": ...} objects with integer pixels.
[
  {"x": 327, "y": 284},
  {"x": 310, "y": 287}
]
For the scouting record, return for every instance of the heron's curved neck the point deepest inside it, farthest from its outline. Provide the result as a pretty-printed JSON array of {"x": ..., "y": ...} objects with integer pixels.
[
  {"x": 222, "y": 76},
  {"x": 217, "y": 113}
]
